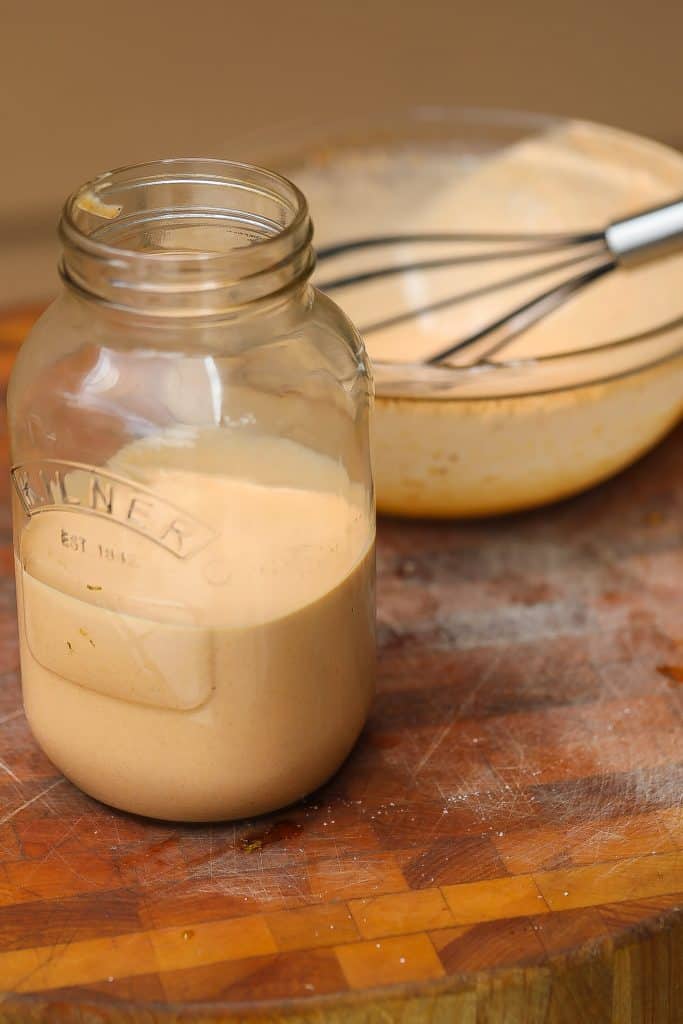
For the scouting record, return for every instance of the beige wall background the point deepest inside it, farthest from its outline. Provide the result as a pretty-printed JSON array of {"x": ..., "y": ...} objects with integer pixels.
[{"x": 85, "y": 87}]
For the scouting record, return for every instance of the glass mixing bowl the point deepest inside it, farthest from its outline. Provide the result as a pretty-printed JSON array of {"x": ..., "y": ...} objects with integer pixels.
[{"x": 530, "y": 426}]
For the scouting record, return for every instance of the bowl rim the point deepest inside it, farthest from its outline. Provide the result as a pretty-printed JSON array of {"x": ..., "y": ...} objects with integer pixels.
[{"x": 384, "y": 123}]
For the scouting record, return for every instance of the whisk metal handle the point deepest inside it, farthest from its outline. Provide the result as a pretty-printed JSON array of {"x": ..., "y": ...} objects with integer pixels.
[{"x": 647, "y": 234}]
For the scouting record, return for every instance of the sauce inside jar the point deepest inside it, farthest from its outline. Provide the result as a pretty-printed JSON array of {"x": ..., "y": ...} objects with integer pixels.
[{"x": 218, "y": 660}]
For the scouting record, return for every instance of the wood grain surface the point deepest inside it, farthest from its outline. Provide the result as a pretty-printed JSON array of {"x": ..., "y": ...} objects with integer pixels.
[{"x": 504, "y": 846}]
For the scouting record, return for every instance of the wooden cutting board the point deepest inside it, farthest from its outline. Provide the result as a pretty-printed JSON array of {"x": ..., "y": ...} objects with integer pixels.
[{"x": 504, "y": 845}]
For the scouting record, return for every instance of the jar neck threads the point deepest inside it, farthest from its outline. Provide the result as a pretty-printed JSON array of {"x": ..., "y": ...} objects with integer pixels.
[{"x": 186, "y": 238}]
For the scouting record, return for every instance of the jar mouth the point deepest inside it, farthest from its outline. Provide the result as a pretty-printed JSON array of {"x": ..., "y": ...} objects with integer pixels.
[{"x": 191, "y": 235}]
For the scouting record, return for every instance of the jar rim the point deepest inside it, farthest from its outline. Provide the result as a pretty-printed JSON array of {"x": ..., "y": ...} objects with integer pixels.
[
  {"x": 266, "y": 210},
  {"x": 104, "y": 181}
]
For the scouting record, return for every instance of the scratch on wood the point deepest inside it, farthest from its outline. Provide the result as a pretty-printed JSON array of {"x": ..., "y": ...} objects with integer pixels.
[
  {"x": 11, "y": 716},
  {"x": 6, "y": 768},
  {"x": 27, "y": 803},
  {"x": 433, "y": 747},
  {"x": 62, "y": 839}
]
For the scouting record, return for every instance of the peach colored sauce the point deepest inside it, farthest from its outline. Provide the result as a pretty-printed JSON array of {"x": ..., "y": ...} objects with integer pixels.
[
  {"x": 496, "y": 443},
  {"x": 203, "y": 649}
]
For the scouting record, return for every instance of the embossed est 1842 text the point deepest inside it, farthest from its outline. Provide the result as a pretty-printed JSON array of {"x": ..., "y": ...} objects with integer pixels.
[{"x": 52, "y": 484}]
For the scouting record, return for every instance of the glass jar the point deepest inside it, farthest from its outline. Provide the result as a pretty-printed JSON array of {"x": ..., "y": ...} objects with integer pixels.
[{"x": 193, "y": 504}]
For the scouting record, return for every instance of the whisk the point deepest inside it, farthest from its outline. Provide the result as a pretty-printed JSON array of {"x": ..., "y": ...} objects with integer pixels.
[{"x": 585, "y": 257}]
